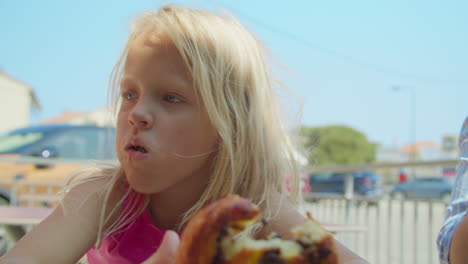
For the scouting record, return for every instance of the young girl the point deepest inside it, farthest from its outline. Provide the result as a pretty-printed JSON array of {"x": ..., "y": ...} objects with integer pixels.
[{"x": 197, "y": 119}]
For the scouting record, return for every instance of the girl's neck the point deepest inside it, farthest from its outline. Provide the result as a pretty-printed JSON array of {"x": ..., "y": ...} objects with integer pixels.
[{"x": 167, "y": 207}]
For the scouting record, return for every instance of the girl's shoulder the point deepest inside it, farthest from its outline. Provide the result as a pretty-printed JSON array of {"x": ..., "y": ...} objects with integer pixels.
[
  {"x": 93, "y": 188},
  {"x": 90, "y": 191},
  {"x": 72, "y": 228}
]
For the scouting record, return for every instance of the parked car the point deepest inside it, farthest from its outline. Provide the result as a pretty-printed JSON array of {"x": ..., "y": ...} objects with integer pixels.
[
  {"x": 73, "y": 142},
  {"x": 424, "y": 188},
  {"x": 366, "y": 183}
]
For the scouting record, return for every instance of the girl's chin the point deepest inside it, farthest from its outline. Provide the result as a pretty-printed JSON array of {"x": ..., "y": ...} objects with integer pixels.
[
  {"x": 138, "y": 183},
  {"x": 142, "y": 185},
  {"x": 143, "y": 188}
]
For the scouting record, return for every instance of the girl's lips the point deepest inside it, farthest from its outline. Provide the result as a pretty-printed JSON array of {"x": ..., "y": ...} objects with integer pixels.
[
  {"x": 136, "y": 155},
  {"x": 137, "y": 144}
]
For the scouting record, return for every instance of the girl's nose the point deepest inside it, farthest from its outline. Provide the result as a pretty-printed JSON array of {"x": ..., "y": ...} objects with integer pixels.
[{"x": 140, "y": 118}]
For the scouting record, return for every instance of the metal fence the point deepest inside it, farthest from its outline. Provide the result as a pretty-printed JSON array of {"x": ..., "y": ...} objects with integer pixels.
[{"x": 395, "y": 231}]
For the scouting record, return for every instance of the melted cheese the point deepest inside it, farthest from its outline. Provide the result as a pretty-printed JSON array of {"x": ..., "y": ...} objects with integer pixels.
[
  {"x": 231, "y": 246},
  {"x": 307, "y": 233}
]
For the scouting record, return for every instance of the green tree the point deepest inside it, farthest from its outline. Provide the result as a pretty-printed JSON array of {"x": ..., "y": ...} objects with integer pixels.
[{"x": 331, "y": 145}]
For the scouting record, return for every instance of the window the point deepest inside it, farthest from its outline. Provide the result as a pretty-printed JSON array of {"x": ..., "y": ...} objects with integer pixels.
[
  {"x": 11, "y": 142},
  {"x": 86, "y": 143}
]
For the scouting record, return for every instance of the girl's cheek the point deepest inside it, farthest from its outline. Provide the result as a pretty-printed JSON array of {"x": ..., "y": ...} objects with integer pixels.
[{"x": 122, "y": 118}]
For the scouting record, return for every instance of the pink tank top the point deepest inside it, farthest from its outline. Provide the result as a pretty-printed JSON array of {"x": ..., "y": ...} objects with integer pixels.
[{"x": 131, "y": 246}]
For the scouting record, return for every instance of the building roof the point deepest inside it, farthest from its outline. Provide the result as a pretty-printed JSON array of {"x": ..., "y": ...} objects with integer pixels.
[
  {"x": 418, "y": 146},
  {"x": 64, "y": 117}
]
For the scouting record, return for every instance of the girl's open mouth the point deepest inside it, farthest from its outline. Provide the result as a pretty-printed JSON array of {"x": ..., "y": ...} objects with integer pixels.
[
  {"x": 137, "y": 152},
  {"x": 137, "y": 148}
]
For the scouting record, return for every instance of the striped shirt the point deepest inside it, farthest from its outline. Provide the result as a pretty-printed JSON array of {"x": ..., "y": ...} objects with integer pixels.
[{"x": 458, "y": 207}]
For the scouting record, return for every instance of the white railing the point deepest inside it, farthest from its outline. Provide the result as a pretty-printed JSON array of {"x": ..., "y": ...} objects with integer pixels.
[{"x": 397, "y": 231}]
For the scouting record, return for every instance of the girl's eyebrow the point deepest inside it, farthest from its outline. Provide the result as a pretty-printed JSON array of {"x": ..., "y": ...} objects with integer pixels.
[
  {"x": 178, "y": 84},
  {"x": 182, "y": 83},
  {"x": 127, "y": 82}
]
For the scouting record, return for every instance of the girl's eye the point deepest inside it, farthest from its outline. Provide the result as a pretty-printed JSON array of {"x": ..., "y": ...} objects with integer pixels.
[
  {"x": 130, "y": 95},
  {"x": 172, "y": 99}
]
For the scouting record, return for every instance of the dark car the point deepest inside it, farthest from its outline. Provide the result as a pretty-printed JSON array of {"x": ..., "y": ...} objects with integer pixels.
[
  {"x": 424, "y": 188},
  {"x": 366, "y": 183},
  {"x": 71, "y": 143},
  {"x": 60, "y": 140}
]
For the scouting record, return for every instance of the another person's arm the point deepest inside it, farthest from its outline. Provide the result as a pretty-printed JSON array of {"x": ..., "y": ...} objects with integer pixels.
[
  {"x": 453, "y": 236},
  {"x": 458, "y": 252},
  {"x": 451, "y": 239}
]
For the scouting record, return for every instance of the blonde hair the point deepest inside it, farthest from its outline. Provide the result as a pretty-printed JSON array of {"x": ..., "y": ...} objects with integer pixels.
[{"x": 234, "y": 82}]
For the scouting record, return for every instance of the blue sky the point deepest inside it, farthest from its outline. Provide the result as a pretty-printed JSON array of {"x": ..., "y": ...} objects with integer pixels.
[{"x": 341, "y": 57}]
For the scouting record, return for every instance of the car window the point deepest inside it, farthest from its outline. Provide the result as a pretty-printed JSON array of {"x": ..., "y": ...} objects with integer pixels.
[
  {"x": 436, "y": 180},
  {"x": 413, "y": 182},
  {"x": 359, "y": 174},
  {"x": 445, "y": 181},
  {"x": 321, "y": 176},
  {"x": 423, "y": 180},
  {"x": 338, "y": 176},
  {"x": 78, "y": 143},
  {"x": 11, "y": 142},
  {"x": 430, "y": 181},
  {"x": 370, "y": 175}
]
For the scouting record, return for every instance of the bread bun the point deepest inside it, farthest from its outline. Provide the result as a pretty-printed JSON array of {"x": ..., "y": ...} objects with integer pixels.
[{"x": 216, "y": 235}]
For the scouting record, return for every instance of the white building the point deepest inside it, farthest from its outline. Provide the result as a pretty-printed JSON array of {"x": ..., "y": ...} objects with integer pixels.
[
  {"x": 420, "y": 151},
  {"x": 18, "y": 100}
]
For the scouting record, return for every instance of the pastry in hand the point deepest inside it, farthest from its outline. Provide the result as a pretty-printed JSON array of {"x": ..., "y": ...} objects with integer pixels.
[{"x": 217, "y": 235}]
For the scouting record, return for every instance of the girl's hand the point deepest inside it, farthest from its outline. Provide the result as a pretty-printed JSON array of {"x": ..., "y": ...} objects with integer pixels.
[{"x": 167, "y": 251}]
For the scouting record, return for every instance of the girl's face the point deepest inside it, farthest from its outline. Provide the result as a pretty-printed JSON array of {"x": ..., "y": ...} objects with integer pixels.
[{"x": 164, "y": 137}]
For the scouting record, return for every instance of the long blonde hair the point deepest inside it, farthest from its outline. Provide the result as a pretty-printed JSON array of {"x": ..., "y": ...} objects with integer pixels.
[{"x": 233, "y": 81}]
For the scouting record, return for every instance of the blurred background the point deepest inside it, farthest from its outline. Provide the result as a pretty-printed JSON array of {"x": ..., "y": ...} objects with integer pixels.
[
  {"x": 379, "y": 83},
  {"x": 396, "y": 72}
]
